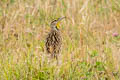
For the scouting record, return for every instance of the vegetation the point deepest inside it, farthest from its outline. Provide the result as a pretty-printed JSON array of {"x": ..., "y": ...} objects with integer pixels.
[{"x": 90, "y": 50}]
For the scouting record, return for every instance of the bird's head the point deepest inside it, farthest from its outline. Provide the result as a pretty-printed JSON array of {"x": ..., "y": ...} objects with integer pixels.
[{"x": 55, "y": 24}]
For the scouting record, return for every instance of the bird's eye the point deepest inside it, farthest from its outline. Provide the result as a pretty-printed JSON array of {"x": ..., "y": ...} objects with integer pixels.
[{"x": 54, "y": 21}]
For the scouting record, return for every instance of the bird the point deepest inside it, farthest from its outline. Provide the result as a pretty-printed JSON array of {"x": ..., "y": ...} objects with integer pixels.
[{"x": 54, "y": 39}]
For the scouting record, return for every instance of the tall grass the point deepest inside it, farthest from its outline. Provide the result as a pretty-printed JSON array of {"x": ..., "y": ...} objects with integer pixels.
[{"x": 89, "y": 50}]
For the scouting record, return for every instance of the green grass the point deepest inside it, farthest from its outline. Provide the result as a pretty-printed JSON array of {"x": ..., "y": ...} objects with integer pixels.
[{"x": 89, "y": 50}]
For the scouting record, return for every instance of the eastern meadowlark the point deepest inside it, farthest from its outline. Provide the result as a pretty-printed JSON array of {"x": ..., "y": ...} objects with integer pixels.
[{"x": 54, "y": 40}]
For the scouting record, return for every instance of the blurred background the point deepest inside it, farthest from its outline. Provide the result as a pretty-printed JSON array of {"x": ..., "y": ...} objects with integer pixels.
[{"x": 91, "y": 39}]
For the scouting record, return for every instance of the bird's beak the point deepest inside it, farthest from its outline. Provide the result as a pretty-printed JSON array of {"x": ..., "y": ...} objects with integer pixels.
[{"x": 58, "y": 21}]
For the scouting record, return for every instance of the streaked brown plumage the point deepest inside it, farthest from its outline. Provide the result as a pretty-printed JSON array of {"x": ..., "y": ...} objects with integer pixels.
[{"x": 54, "y": 40}]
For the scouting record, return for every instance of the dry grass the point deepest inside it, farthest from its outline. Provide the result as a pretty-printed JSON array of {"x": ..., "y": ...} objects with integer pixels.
[{"x": 89, "y": 50}]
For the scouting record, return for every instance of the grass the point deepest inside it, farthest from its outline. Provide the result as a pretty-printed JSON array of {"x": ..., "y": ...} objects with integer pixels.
[{"x": 89, "y": 50}]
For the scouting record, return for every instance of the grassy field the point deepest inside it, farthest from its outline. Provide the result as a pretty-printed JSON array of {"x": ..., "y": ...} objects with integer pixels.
[{"x": 91, "y": 40}]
